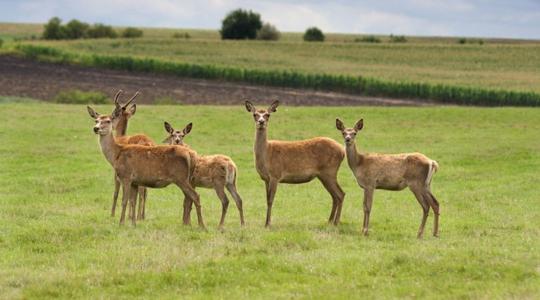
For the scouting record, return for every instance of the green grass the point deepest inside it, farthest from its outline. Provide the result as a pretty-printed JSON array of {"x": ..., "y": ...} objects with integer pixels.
[{"x": 58, "y": 241}]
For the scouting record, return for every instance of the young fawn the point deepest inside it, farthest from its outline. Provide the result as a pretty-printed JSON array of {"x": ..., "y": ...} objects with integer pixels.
[
  {"x": 211, "y": 171},
  {"x": 296, "y": 162},
  {"x": 391, "y": 172},
  {"x": 120, "y": 126},
  {"x": 146, "y": 166}
]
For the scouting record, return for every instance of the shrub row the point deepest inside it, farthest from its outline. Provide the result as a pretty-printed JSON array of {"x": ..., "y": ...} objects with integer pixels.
[{"x": 340, "y": 83}]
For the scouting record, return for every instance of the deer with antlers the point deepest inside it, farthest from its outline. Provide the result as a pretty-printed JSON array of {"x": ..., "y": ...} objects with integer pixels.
[
  {"x": 147, "y": 166},
  {"x": 120, "y": 126},
  {"x": 216, "y": 172},
  {"x": 296, "y": 162},
  {"x": 391, "y": 172}
]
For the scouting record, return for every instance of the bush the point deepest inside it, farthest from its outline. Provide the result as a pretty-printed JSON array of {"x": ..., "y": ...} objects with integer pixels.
[
  {"x": 397, "y": 39},
  {"x": 368, "y": 39},
  {"x": 313, "y": 34},
  {"x": 240, "y": 24},
  {"x": 268, "y": 32},
  {"x": 101, "y": 31},
  {"x": 132, "y": 32},
  {"x": 75, "y": 29},
  {"x": 180, "y": 35},
  {"x": 1, "y": 42},
  {"x": 470, "y": 41},
  {"x": 53, "y": 30},
  {"x": 81, "y": 97}
]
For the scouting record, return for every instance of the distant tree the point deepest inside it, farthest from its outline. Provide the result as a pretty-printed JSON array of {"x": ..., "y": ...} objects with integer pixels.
[
  {"x": 313, "y": 34},
  {"x": 75, "y": 29},
  {"x": 101, "y": 31},
  {"x": 398, "y": 39},
  {"x": 268, "y": 32},
  {"x": 132, "y": 32},
  {"x": 53, "y": 29},
  {"x": 368, "y": 39},
  {"x": 240, "y": 24}
]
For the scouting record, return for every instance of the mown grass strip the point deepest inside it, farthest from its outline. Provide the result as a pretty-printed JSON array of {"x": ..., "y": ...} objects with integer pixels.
[{"x": 340, "y": 83}]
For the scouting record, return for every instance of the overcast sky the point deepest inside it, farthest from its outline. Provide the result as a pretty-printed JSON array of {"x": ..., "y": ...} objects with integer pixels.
[{"x": 478, "y": 18}]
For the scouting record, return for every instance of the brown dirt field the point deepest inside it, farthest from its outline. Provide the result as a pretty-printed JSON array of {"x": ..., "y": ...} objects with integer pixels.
[{"x": 27, "y": 78}]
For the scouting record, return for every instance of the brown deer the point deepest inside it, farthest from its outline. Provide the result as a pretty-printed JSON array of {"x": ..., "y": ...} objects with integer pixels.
[
  {"x": 391, "y": 172},
  {"x": 120, "y": 126},
  {"x": 211, "y": 171},
  {"x": 148, "y": 166},
  {"x": 296, "y": 162}
]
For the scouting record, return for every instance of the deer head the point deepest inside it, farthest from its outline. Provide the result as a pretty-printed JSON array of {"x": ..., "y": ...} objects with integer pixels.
[
  {"x": 126, "y": 111},
  {"x": 349, "y": 134},
  {"x": 261, "y": 116},
  {"x": 176, "y": 137},
  {"x": 104, "y": 123}
]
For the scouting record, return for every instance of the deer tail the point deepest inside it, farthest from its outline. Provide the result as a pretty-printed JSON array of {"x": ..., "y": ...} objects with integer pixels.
[{"x": 433, "y": 167}]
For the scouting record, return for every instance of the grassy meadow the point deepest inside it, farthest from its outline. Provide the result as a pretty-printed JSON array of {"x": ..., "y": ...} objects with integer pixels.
[{"x": 57, "y": 239}]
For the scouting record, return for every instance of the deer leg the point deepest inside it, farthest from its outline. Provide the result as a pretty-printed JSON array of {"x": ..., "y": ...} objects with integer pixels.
[
  {"x": 224, "y": 203},
  {"x": 425, "y": 210},
  {"x": 232, "y": 189},
  {"x": 186, "y": 218},
  {"x": 115, "y": 195},
  {"x": 126, "y": 188},
  {"x": 141, "y": 191},
  {"x": 337, "y": 194},
  {"x": 133, "y": 202},
  {"x": 271, "y": 187},
  {"x": 144, "y": 203},
  {"x": 368, "y": 201},
  {"x": 193, "y": 196},
  {"x": 435, "y": 206}
]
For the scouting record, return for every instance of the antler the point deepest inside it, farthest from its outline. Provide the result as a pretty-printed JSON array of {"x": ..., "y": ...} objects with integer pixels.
[
  {"x": 117, "y": 96},
  {"x": 132, "y": 98}
]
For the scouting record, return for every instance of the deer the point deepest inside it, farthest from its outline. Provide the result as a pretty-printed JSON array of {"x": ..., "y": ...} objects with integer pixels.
[
  {"x": 296, "y": 162},
  {"x": 216, "y": 172},
  {"x": 146, "y": 166},
  {"x": 120, "y": 126},
  {"x": 392, "y": 172}
]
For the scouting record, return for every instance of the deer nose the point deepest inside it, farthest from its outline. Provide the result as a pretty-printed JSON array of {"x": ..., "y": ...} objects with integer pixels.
[{"x": 96, "y": 129}]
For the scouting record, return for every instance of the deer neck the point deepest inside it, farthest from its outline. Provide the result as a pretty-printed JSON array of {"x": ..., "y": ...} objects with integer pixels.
[
  {"x": 121, "y": 127},
  {"x": 354, "y": 159},
  {"x": 109, "y": 147},
  {"x": 261, "y": 149}
]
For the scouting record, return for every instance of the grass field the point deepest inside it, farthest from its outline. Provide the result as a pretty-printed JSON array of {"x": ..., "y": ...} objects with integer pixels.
[{"x": 58, "y": 241}]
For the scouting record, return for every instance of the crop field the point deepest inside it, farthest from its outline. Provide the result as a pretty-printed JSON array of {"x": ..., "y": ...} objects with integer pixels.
[
  {"x": 57, "y": 239},
  {"x": 513, "y": 67}
]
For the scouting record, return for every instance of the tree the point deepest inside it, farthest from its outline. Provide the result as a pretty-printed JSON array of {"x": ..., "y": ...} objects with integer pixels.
[
  {"x": 53, "y": 29},
  {"x": 268, "y": 32},
  {"x": 101, "y": 31},
  {"x": 240, "y": 24},
  {"x": 132, "y": 32},
  {"x": 75, "y": 29},
  {"x": 313, "y": 34}
]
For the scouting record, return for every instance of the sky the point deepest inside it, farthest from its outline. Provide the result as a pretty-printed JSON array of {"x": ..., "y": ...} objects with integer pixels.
[{"x": 473, "y": 18}]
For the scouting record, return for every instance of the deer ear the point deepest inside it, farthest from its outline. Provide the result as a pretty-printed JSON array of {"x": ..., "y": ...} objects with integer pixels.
[
  {"x": 249, "y": 106},
  {"x": 188, "y": 128},
  {"x": 92, "y": 112},
  {"x": 132, "y": 109},
  {"x": 273, "y": 106},
  {"x": 339, "y": 125},
  {"x": 168, "y": 127},
  {"x": 359, "y": 125}
]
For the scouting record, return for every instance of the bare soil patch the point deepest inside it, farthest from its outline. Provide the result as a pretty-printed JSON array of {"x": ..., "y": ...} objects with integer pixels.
[{"x": 28, "y": 78}]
